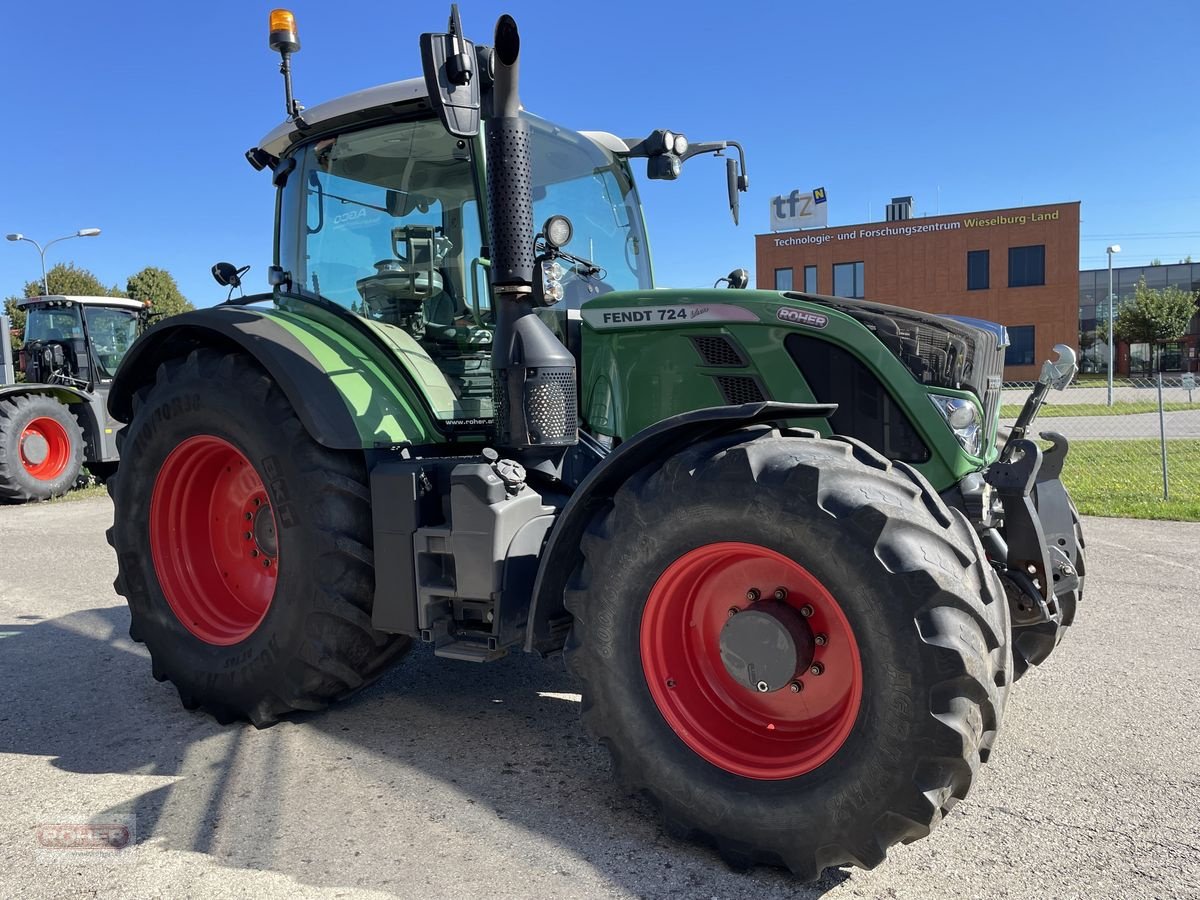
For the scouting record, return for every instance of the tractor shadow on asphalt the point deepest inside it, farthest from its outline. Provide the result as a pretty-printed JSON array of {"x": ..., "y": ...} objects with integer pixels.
[{"x": 457, "y": 752}]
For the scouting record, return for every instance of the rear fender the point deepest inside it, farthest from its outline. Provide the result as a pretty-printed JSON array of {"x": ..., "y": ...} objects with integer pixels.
[
  {"x": 344, "y": 397},
  {"x": 549, "y": 621}
]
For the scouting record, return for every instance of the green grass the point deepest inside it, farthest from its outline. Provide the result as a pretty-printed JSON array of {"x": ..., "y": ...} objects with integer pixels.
[
  {"x": 1124, "y": 478},
  {"x": 1012, "y": 410},
  {"x": 85, "y": 493}
]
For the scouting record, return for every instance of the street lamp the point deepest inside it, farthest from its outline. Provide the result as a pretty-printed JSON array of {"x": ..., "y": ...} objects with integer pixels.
[
  {"x": 82, "y": 232},
  {"x": 1115, "y": 248}
]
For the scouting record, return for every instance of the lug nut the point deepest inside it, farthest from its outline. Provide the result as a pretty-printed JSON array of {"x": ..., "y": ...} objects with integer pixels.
[
  {"x": 820, "y": 640},
  {"x": 258, "y": 501},
  {"x": 780, "y": 593},
  {"x": 752, "y": 595},
  {"x": 266, "y": 563},
  {"x": 796, "y": 687},
  {"x": 249, "y": 516},
  {"x": 817, "y": 668},
  {"x": 248, "y": 535},
  {"x": 806, "y": 610},
  {"x": 762, "y": 687},
  {"x": 254, "y": 553},
  {"x": 670, "y": 682},
  {"x": 733, "y": 611}
]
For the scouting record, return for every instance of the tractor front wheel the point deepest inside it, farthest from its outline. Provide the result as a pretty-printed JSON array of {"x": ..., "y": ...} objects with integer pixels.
[
  {"x": 243, "y": 546},
  {"x": 793, "y": 646}
]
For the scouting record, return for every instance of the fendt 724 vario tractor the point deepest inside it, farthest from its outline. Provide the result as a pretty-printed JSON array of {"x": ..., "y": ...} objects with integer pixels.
[
  {"x": 774, "y": 533},
  {"x": 56, "y": 421}
]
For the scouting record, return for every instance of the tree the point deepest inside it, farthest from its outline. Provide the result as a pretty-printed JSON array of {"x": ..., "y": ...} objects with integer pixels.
[
  {"x": 159, "y": 287},
  {"x": 1155, "y": 314},
  {"x": 1156, "y": 261},
  {"x": 68, "y": 278}
]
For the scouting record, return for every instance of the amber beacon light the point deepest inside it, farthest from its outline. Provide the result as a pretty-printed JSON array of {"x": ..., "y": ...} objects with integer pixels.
[{"x": 283, "y": 31}]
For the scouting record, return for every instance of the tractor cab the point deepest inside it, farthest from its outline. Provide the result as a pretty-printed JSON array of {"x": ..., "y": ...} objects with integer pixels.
[{"x": 77, "y": 341}]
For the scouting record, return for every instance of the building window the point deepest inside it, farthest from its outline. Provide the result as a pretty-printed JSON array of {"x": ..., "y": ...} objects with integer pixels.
[
  {"x": 848, "y": 279},
  {"x": 783, "y": 279},
  {"x": 1020, "y": 346},
  {"x": 810, "y": 279},
  {"x": 1027, "y": 265},
  {"x": 977, "y": 270}
]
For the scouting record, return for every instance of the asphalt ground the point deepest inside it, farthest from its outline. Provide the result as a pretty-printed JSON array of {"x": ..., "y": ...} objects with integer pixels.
[{"x": 457, "y": 780}]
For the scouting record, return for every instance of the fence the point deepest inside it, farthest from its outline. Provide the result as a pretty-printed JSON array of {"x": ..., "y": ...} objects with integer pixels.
[{"x": 1140, "y": 456}]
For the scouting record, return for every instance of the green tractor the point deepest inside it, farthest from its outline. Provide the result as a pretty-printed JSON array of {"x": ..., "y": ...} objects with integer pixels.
[
  {"x": 56, "y": 421},
  {"x": 775, "y": 534}
]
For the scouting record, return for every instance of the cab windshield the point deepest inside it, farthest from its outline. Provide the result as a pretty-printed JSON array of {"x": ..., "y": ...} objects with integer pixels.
[{"x": 392, "y": 220}]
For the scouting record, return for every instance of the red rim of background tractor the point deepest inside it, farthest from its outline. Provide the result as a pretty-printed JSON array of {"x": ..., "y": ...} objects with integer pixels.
[
  {"x": 213, "y": 540},
  {"x": 58, "y": 448},
  {"x": 776, "y": 735}
]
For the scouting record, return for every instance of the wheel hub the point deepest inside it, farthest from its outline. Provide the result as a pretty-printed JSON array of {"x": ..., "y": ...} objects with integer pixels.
[
  {"x": 34, "y": 448},
  {"x": 264, "y": 531},
  {"x": 765, "y": 647}
]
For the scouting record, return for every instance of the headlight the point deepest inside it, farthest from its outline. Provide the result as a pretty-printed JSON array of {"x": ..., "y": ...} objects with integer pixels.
[{"x": 964, "y": 420}]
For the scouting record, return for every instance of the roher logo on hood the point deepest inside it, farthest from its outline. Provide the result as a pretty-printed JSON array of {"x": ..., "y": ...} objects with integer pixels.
[{"x": 802, "y": 317}]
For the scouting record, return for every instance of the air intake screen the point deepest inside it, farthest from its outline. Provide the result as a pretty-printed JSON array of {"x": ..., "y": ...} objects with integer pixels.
[
  {"x": 718, "y": 351},
  {"x": 738, "y": 389}
]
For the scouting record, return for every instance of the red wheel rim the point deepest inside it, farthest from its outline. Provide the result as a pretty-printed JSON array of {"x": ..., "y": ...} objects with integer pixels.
[
  {"x": 773, "y": 735},
  {"x": 45, "y": 448},
  {"x": 213, "y": 540}
]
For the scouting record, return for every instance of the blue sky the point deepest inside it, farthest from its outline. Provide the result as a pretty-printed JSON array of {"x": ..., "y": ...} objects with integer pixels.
[{"x": 133, "y": 116}]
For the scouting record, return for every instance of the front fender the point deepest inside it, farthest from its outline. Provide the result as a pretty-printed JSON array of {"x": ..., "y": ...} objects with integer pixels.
[
  {"x": 548, "y": 619},
  {"x": 343, "y": 401}
]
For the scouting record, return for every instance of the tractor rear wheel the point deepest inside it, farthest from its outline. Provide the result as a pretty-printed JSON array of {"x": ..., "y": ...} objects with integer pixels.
[
  {"x": 243, "y": 546},
  {"x": 41, "y": 448},
  {"x": 792, "y": 646}
]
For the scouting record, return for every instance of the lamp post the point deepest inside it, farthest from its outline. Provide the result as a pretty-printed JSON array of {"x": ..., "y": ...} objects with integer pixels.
[
  {"x": 1115, "y": 248},
  {"x": 82, "y": 232}
]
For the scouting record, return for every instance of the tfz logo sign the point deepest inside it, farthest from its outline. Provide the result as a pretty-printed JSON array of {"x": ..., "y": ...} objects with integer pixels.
[
  {"x": 797, "y": 210},
  {"x": 802, "y": 317}
]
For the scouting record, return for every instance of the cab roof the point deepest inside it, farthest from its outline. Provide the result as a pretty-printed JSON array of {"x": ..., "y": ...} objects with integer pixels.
[
  {"x": 118, "y": 302},
  {"x": 283, "y": 135}
]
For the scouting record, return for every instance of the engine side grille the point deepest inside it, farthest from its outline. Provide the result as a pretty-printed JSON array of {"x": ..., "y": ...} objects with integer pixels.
[
  {"x": 718, "y": 351},
  {"x": 738, "y": 389}
]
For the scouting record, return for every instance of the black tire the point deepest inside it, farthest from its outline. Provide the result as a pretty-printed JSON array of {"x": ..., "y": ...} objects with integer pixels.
[
  {"x": 17, "y": 481},
  {"x": 315, "y": 643},
  {"x": 1033, "y": 644},
  {"x": 927, "y": 612}
]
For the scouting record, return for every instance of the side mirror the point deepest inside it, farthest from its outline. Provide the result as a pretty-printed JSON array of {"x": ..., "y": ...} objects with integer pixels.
[
  {"x": 731, "y": 177},
  {"x": 450, "y": 64},
  {"x": 226, "y": 275},
  {"x": 1058, "y": 374}
]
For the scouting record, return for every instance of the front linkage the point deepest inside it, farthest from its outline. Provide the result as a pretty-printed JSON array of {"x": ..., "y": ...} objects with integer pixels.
[{"x": 1039, "y": 552}]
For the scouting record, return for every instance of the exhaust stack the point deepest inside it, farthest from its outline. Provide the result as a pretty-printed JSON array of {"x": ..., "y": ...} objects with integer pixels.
[{"x": 534, "y": 374}]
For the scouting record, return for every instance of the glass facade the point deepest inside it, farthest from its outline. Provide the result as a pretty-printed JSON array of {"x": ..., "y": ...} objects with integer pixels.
[
  {"x": 1093, "y": 316},
  {"x": 783, "y": 279}
]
